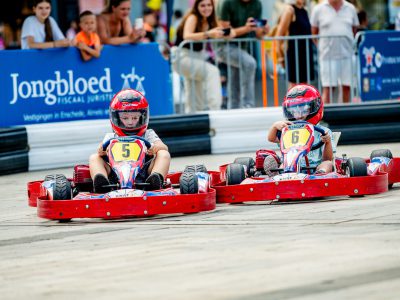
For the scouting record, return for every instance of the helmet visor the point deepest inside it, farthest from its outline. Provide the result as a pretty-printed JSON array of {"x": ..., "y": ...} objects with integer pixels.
[
  {"x": 129, "y": 119},
  {"x": 299, "y": 110}
]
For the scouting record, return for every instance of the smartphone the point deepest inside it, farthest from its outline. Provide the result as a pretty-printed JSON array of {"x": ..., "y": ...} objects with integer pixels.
[
  {"x": 260, "y": 22},
  {"x": 227, "y": 31},
  {"x": 139, "y": 23}
]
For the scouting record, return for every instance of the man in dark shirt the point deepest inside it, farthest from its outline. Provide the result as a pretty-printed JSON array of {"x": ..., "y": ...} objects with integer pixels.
[{"x": 241, "y": 16}]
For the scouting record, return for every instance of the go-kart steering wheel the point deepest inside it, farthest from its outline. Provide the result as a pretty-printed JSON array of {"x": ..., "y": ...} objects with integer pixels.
[
  {"x": 316, "y": 127},
  {"x": 127, "y": 139}
]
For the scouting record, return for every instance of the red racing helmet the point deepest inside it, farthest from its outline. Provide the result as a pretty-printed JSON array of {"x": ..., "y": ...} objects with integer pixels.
[
  {"x": 303, "y": 102},
  {"x": 129, "y": 113}
]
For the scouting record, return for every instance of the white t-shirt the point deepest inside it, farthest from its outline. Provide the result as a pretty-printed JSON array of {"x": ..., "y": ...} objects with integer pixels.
[
  {"x": 33, "y": 27},
  {"x": 149, "y": 135},
  {"x": 332, "y": 22}
]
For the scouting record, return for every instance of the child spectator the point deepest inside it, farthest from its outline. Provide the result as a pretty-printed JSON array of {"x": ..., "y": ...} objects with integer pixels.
[
  {"x": 41, "y": 31},
  {"x": 114, "y": 26},
  {"x": 87, "y": 40},
  {"x": 129, "y": 116},
  {"x": 72, "y": 30},
  {"x": 303, "y": 103}
]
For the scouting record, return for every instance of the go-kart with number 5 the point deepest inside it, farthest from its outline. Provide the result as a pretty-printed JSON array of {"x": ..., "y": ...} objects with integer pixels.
[{"x": 60, "y": 198}]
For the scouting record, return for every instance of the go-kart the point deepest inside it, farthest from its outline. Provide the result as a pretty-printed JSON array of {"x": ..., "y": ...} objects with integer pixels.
[
  {"x": 254, "y": 180},
  {"x": 60, "y": 198}
]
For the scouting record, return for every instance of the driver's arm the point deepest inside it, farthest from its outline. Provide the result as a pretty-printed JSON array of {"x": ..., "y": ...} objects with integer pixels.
[
  {"x": 327, "y": 153},
  {"x": 157, "y": 146}
]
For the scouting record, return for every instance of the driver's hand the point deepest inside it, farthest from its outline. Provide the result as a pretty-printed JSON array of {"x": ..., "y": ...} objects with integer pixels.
[
  {"x": 279, "y": 125},
  {"x": 326, "y": 138},
  {"x": 100, "y": 150},
  {"x": 152, "y": 150}
]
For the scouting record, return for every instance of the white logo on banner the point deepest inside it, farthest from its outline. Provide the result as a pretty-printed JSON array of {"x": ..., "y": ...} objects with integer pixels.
[
  {"x": 70, "y": 90},
  {"x": 131, "y": 78}
]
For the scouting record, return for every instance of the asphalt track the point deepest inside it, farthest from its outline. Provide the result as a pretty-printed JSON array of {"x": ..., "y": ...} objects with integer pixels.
[{"x": 341, "y": 248}]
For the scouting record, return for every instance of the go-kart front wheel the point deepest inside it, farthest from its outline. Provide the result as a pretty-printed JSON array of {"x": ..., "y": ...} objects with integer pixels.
[
  {"x": 356, "y": 166},
  {"x": 195, "y": 168},
  {"x": 248, "y": 162},
  {"x": 235, "y": 174},
  {"x": 62, "y": 187},
  {"x": 188, "y": 183}
]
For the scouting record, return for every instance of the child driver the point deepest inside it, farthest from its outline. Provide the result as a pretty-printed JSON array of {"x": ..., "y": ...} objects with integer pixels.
[
  {"x": 129, "y": 115},
  {"x": 303, "y": 103}
]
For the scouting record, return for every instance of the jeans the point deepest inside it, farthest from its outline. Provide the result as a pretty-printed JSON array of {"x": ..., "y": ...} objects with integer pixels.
[{"x": 241, "y": 75}]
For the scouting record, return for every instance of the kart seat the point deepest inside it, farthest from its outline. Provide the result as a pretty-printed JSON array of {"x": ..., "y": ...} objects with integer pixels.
[{"x": 336, "y": 137}]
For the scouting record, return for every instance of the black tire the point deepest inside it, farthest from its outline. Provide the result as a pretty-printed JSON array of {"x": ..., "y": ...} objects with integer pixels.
[
  {"x": 248, "y": 162},
  {"x": 54, "y": 177},
  {"x": 235, "y": 174},
  {"x": 195, "y": 168},
  {"x": 188, "y": 183},
  {"x": 381, "y": 153},
  {"x": 356, "y": 166},
  {"x": 62, "y": 189}
]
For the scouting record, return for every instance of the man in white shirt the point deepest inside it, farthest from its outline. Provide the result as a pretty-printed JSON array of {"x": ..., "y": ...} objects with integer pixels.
[{"x": 335, "y": 17}]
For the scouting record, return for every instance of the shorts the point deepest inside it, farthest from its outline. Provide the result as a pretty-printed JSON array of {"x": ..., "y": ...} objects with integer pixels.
[{"x": 336, "y": 72}]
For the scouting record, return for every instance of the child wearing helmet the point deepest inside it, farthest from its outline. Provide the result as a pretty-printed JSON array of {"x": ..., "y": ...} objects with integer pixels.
[
  {"x": 129, "y": 115},
  {"x": 303, "y": 103}
]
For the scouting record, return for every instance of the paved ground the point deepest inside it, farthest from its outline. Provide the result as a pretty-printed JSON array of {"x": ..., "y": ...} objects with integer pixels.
[{"x": 338, "y": 249}]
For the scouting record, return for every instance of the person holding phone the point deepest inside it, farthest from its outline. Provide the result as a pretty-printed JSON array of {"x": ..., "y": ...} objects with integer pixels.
[
  {"x": 114, "y": 26},
  {"x": 201, "y": 78},
  {"x": 244, "y": 17}
]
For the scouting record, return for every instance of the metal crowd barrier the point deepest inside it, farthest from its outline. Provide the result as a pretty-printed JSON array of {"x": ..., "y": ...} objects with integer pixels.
[{"x": 272, "y": 81}]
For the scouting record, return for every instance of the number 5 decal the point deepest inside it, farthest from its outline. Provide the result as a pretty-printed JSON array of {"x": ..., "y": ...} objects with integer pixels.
[{"x": 126, "y": 152}]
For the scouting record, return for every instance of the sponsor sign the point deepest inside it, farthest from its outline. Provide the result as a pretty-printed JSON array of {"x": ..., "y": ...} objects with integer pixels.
[
  {"x": 379, "y": 60},
  {"x": 55, "y": 85}
]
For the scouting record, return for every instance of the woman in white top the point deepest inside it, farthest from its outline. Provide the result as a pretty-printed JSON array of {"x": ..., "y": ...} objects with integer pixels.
[{"x": 41, "y": 31}]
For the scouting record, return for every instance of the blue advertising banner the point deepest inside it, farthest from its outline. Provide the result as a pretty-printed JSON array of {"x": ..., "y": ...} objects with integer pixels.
[
  {"x": 379, "y": 60},
  {"x": 54, "y": 85}
]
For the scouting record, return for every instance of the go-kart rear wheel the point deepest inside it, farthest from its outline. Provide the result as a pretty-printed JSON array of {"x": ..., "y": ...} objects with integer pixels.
[
  {"x": 235, "y": 174},
  {"x": 62, "y": 189},
  {"x": 381, "y": 153},
  {"x": 195, "y": 168},
  {"x": 188, "y": 183},
  {"x": 248, "y": 162},
  {"x": 356, "y": 166}
]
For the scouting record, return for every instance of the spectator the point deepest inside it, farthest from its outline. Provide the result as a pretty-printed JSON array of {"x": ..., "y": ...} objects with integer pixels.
[
  {"x": 335, "y": 17},
  {"x": 363, "y": 20},
  {"x": 87, "y": 40},
  {"x": 295, "y": 21},
  {"x": 241, "y": 15},
  {"x": 72, "y": 30},
  {"x": 2, "y": 43},
  {"x": 41, "y": 30},
  {"x": 175, "y": 24},
  {"x": 199, "y": 24},
  {"x": 154, "y": 32},
  {"x": 114, "y": 26}
]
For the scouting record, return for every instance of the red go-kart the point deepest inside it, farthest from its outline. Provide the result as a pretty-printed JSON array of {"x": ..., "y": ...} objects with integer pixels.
[
  {"x": 270, "y": 178},
  {"x": 59, "y": 198}
]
